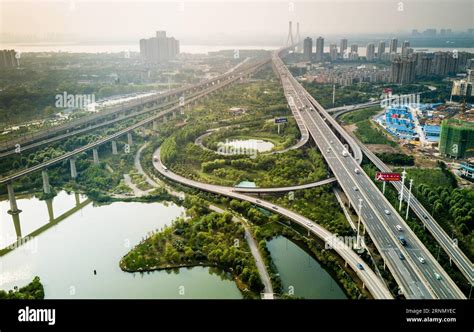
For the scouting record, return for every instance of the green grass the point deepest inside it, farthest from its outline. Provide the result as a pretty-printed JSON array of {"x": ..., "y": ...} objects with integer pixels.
[
  {"x": 433, "y": 177},
  {"x": 368, "y": 134}
]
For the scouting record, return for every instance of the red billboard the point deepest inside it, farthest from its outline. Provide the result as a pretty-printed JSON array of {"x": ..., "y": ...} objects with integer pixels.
[{"x": 381, "y": 176}]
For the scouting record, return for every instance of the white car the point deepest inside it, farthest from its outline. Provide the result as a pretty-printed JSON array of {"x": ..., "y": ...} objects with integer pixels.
[
  {"x": 357, "y": 171},
  {"x": 422, "y": 260},
  {"x": 398, "y": 227},
  {"x": 387, "y": 212}
]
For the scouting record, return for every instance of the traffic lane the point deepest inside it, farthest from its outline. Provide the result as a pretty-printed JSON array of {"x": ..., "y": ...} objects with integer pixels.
[
  {"x": 406, "y": 264},
  {"x": 445, "y": 289},
  {"x": 366, "y": 275},
  {"x": 347, "y": 182}
]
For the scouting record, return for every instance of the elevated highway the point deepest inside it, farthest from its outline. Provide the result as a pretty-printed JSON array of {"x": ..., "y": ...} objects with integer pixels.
[
  {"x": 415, "y": 279},
  {"x": 118, "y": 112},
  {"x": 375, "y": 286}
]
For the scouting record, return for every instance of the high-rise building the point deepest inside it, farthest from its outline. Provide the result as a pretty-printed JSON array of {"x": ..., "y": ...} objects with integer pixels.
[
  {"x": 333, "y": 52},
  {"x": 457, "y": 138},
  {"x": 159, "y": 49},
  {"x": 354, "y": 48},
  {"x": 393, "y": 45},
  {"x": 319, "y": 48},
  {"x": 343, "y": 48},
  {"x": 370, "y": 54},
  {"x": 408, "y": 70},
  {"x": 424, "y": 68},
  {"x": 405, "y": 46},
  {"x": 462, "y": 88},
  {"x": 396, "y": 71},
  {"x": 402, "y": 70},
  {"x": 307, "y": 48},
  {"x": 8, "y": 59},
  {"x": 381, "y": 49}
]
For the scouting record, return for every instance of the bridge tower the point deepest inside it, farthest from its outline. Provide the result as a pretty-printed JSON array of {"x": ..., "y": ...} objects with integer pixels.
[
  {"x": 290, "y": 41},
  {"x": 298, "y": 37}
]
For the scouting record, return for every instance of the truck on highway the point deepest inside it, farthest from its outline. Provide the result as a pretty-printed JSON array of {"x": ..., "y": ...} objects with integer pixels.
[{"x": 402, "y": 240}]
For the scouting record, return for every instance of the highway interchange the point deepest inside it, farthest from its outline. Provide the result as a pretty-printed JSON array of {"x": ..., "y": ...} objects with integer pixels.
[{"x": 416, "y": 279}]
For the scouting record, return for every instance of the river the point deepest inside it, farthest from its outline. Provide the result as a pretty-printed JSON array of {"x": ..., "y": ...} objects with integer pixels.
[
  {"x": 300, "y": 273},
  {"x": 74, "y": 238}
]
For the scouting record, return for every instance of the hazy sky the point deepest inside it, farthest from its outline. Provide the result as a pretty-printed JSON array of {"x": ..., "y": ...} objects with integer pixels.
[{"x": 197, "y": 21}]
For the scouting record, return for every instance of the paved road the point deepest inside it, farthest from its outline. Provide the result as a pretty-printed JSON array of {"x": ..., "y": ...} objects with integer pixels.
[
  {"x": 449, "y": 245},
  {"x": 116, "y": 135},
  {"x": 119, "y": 108},
  {"x": 376, "y": 287},
  {"x": 302, "y": 141},
  {"x": 259, "y": 262}
]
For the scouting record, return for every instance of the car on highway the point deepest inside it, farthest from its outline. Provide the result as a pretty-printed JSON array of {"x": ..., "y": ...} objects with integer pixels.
[
  {"x": 437, "y": 276},
  {"x": 344, "y": 153},
  {"x": 400, "y": 255},
  {"x": 402, "y": 240},
  {"x": 355, "y": 188},
  {"x": 258, "y": 201},
  {"x": 422, "y": 260},
  {"x": 274, "y": 207},
  {"x": 425, "y": 216},
  {"x": 359, "y": 266},
  {"x": 331, "y": 141},
  {"x": 387, "y": 212},
  {"x": 357, "y": 171},
  {"x": 155, "y": 159},
  {"x": 165, "y": 168},
  {"x": 328, "y": 150},
  {"x": 399, "y": 228}
]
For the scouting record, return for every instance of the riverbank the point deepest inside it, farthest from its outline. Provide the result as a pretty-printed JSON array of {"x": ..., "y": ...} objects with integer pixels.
[{"x": 203, "y": 238}]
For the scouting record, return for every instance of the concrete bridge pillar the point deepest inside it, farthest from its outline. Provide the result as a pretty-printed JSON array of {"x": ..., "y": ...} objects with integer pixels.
[
  {"x": 95, "y": 155},
  {"x": 72, "y": 162},
  {"x": 46, "y": 186},
  {"x": 155, "y": 125},
  {"x": 114, "y": 147},
  {"x": 78, "y": 198},
  {"x": 11, "y": 197},
  {"x": 164, "y": 119},
  {"x": 49, "y": 204},
  {"x": 174, "y": 115},
  {"x": 130, "y": 139},
  {"x": 16, "y": 223}
]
